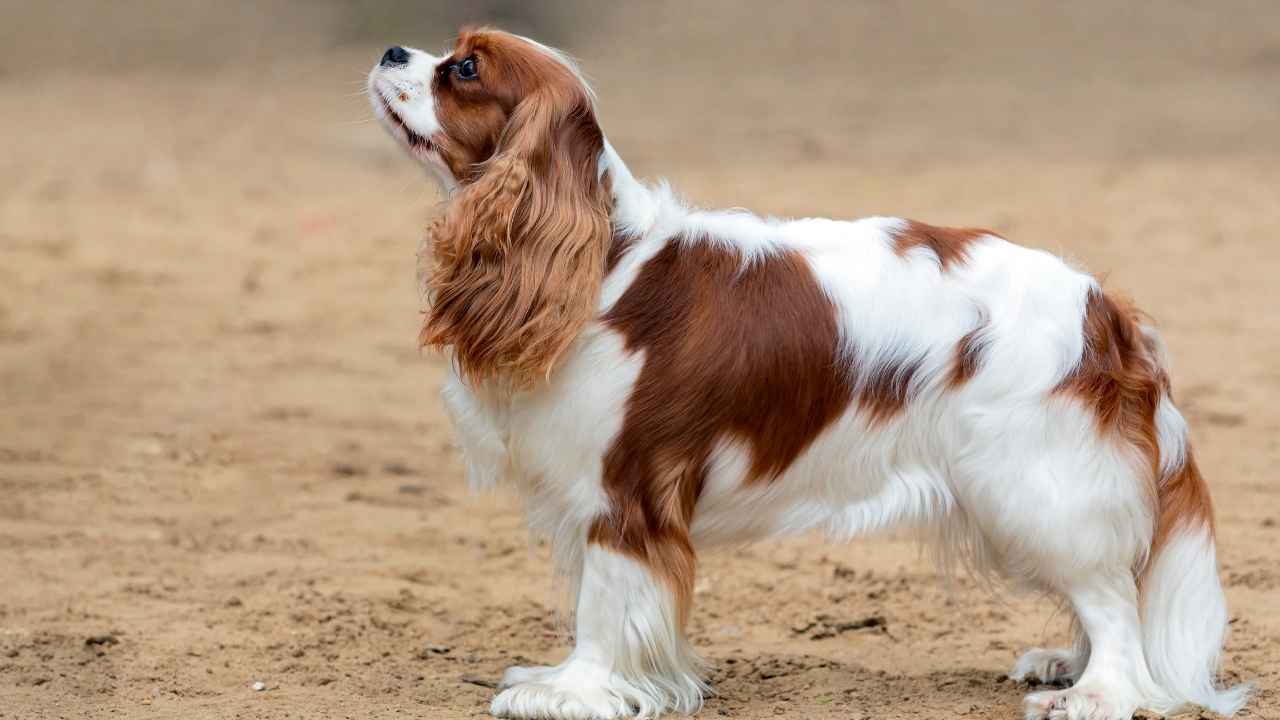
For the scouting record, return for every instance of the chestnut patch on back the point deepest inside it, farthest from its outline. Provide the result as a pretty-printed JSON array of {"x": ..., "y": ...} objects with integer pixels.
[
  {"x": 749, "y": 352},
  {"x": 950, "y": 245}
]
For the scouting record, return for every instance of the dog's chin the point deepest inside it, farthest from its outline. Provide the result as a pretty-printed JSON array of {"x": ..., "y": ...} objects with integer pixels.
[
  {"x": 416, "y": 144},
  {"x": 427, "y": 153},
  {"x": 419, "y": 146}
]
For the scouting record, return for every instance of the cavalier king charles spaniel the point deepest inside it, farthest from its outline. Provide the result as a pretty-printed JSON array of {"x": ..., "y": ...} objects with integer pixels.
[{"x": 659, "y": 380}]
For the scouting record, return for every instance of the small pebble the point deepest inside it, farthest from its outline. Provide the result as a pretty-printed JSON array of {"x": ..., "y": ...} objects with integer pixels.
[
  {"x": 397, "y": 468},
  {"x": 259, "y": 686},
  {"x": 347, "y": 470}
]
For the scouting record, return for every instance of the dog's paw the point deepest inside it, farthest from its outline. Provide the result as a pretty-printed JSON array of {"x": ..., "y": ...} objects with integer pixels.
[
  {"x": 1051, "y": 667},
  {"x": 1076, "y": 704},
  {"x": 574, "y": 690},
  {"x": 584, "y": 688},
  {"x": 555, "y": 701}
]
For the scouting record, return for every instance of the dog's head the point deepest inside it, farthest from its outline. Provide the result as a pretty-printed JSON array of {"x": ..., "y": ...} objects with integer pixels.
[
  {"x": 496, "y": 93},
  {"x": 509, "y": 128}
]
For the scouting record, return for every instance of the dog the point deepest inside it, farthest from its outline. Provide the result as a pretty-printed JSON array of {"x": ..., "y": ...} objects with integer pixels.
[{"x": 659, "y": 379}]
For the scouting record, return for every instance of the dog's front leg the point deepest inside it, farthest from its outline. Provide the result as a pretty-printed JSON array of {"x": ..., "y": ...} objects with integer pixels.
[
  {"x": 631, "y": 656},
  {"x": 479, "y": 424}
]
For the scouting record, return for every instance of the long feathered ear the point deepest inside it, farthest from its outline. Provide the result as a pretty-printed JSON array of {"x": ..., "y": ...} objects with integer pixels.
[{"x": 520, "y": 252}]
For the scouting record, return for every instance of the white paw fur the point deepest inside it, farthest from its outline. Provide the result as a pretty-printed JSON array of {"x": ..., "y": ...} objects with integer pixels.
[
  {"x": 575, "y": 690},
  {"x": 1078, "y": 704},
  {"x": 1048, "y": 666}
]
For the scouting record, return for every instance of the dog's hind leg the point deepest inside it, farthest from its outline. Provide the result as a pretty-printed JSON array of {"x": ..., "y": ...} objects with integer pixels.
[
  {"x": 1116, "y": 681},
  {"x": 1070, "y": 513}
]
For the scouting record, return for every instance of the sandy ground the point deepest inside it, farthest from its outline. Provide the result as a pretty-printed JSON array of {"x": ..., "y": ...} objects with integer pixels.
[{"x": 222, "y": 459}]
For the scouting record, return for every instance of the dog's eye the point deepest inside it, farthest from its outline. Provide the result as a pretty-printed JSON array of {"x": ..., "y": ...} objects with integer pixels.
[{"x": 466, "y": 70}]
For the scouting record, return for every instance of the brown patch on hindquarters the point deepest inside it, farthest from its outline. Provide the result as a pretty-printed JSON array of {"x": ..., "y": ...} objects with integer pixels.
[
  {"x": 949, "y": 245},
  {"x": 1121, "y": 379},
  {"x": 1116, "y": 376},
  {"x": 1185, "y": 502}
]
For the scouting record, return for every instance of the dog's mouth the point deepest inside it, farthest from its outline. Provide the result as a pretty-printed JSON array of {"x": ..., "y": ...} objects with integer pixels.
[{"x": 416, "y": 141}]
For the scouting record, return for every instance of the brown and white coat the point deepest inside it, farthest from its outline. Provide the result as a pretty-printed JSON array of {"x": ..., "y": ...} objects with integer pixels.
[{"x": 659, "y": 380}]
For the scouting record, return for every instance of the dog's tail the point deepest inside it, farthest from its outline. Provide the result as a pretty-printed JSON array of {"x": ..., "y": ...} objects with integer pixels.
[{"x": 1184, "y": 611}]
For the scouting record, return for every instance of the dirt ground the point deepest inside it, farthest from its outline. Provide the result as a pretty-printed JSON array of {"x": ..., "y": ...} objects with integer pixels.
[{"x": 222, "y": 458}]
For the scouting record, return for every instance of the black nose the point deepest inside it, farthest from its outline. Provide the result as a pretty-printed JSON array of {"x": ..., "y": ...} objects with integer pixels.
[{"x": 395, "y": 56}]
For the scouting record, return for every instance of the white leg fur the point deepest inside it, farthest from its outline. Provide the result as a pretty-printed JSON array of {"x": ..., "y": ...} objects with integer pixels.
[
  {"x": 1116, "y": 681},
  {"x": 478, "y": 422},
  {"x": 1184, "y": 611},
  {"x": 631, "y": 658},
  {"x": 1184, "y": 622}
]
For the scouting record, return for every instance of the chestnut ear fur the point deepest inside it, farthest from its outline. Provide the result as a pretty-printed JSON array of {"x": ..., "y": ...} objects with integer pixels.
[{"x": 519, "y": 253}]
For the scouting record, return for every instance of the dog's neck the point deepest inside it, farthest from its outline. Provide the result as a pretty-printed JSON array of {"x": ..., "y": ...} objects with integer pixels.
[
  {"x": 639, "y": 210},
  {"x": 635, "y": 206}
]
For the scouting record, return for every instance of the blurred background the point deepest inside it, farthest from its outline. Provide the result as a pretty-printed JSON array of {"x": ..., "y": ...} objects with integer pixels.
[{"x": 222, "y": 458}]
